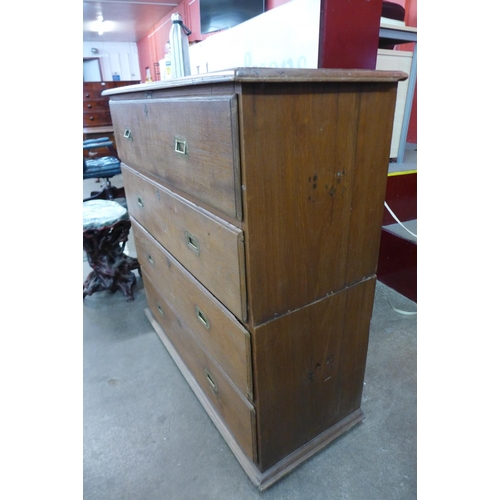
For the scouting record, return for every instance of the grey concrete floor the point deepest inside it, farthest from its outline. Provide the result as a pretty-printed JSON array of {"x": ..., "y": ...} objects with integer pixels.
[
  {"x": 410, "y": 225},
  {"x": 146, "y": 436}
]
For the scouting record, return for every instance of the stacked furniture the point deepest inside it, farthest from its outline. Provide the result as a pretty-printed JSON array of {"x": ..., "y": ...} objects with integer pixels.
[{"x": 256, "y": 200}]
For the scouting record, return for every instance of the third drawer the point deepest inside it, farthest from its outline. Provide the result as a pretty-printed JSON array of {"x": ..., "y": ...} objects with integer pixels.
[{"x": 214, "y": 326}]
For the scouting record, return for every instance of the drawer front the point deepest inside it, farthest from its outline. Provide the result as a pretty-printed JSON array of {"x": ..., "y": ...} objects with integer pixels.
[
  {"x": 212, "y": 325},
  {"x": 95, "y": 118},
  {"x": 96, "y": 105},
  {"x": 210, "y": 248},
  {"x": 94, "y": 92},
  {"x": 190, "y": 145},
  {"x": 237, "y": 413}
]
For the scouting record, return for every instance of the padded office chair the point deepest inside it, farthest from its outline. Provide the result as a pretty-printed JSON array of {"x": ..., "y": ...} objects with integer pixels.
[{"x": 104, "y": 167}]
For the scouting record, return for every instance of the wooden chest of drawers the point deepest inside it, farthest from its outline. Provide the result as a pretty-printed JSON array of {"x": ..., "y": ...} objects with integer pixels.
[
  {"x": 256, "y": 197},
  {"x": 95, "y": 106}
]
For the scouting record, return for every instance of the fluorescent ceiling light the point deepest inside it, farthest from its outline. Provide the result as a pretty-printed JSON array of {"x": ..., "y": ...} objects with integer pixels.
[{"x": 101, "y": 25}]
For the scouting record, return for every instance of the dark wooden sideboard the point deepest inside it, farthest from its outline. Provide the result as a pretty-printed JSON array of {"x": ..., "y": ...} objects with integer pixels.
[
  {"x": 256, "y": 198},
  {"x": 96, "y": 116}
]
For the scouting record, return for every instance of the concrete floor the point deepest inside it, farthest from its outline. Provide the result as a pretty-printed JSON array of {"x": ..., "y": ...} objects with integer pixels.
[{"x": 146, "y": 436}]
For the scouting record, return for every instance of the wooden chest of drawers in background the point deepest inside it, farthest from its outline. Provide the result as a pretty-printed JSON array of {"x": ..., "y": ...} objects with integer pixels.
[
  {"x": 95, "y": 105},
  {"x": 256, "y": 197},
  {"x": 96, "y": 116}
]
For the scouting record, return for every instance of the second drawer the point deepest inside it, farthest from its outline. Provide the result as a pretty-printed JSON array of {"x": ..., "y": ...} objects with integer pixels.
[
  {"x": 214, "y": 327},
  {"x": 210, "y": 248}
]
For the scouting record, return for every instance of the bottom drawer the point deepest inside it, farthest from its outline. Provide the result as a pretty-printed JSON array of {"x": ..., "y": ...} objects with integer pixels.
[{"x": 237, "y": 413}]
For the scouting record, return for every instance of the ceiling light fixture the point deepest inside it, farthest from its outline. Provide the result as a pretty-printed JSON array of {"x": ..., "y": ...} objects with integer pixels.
[{"x": 102, "y": 25}]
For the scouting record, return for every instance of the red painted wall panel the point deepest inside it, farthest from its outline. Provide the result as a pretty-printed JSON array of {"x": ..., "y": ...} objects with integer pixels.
[
  {"x": 401, "y": 196},
  {"x": 397, "y": 264},
  {"x": 349, "y": 31},
  {"x": 151, "y": 48},
  {"x": 144, "y": 55}
]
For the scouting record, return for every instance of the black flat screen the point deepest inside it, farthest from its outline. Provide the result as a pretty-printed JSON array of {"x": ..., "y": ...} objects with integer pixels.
[{"x": 218, "y": 15}]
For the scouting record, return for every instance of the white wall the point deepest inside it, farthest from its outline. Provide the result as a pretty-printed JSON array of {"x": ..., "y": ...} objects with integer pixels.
[
  {"x": 284, "y": 37},
  {"x": 116, "y": 59}
]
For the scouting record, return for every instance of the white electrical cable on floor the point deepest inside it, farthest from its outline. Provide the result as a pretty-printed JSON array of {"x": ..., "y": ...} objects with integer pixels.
[
  {"x": 397, "y": 220},
  {"x": 400, "y": 311}
]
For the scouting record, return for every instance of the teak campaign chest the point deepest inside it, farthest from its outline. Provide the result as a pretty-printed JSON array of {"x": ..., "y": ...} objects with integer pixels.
[{"x": 256, "y": 198}]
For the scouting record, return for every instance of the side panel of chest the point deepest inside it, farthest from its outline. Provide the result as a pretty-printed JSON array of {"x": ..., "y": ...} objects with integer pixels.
[
  {"x": 314, "y": 182},
  {"x": 309, "y": 369}
]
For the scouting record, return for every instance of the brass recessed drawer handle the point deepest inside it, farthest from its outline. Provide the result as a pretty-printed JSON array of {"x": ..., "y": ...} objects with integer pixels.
[
  {"x": 160, "y": 310},
  {"x": 192, "y": 243},
  {"x": 128, "y": 134},
  {"x": 180, "y": 146},
  {"x": 202, "y": 318},
  {"x": 211, "y": 381},
  {"x": 140, "y": 202}
]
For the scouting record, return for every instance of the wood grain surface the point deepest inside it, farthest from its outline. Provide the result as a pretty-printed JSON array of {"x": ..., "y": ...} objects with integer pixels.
[
  {"x": 209, "y": 247},
  {"x": 308, "y": 370},
  {"x": 281, "y": 191},
  {"x": 207, "y": 127},
  {"x": 314, "y": 191},
  {"x": 212, "y": 325},
  {"x": 237, "y": 413}
]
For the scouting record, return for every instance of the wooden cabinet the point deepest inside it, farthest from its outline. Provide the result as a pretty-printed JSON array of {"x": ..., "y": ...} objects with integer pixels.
[
  {"x": 95, "y": 105},
  {"x": 96, "y": 116},
  {"x": 256, "y": 198}
]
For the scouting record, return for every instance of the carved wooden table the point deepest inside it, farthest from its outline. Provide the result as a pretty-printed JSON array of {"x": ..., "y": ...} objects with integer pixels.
[{"x": 106, "y": 228}]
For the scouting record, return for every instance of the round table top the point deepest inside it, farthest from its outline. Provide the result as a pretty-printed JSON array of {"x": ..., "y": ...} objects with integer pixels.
[{"x": 98, "y": 214}]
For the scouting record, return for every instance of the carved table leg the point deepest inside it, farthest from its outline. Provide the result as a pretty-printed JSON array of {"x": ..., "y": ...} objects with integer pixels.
[{"x": 112, "y": 269}]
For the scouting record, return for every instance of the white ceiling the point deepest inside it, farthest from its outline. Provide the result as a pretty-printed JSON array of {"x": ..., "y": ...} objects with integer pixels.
[{"x": 130, "y": 20}]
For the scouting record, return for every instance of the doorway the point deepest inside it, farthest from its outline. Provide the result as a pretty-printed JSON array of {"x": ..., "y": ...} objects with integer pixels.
[{"x": 92, "y": 69}]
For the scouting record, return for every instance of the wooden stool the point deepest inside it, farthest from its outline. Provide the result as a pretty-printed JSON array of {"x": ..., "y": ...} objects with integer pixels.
[{"x": 105, "y": 232}]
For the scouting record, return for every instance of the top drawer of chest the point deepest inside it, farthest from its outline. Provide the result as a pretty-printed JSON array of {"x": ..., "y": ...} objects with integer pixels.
[{"x": 189, "y": 144}]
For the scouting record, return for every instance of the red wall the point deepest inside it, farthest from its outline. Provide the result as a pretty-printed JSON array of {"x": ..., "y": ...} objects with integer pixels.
[
  {"x": 151, "y": 48},
  {"x": 349, "y": 33}
]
